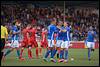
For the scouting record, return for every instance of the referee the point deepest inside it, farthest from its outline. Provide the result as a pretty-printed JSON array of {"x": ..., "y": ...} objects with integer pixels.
[{"x": 4, "y": 35}]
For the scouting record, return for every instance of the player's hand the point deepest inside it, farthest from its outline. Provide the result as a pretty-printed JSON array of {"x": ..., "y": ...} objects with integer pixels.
[
  {"x": 60, "y": 31},
  {"x": 64, "y": 30}
]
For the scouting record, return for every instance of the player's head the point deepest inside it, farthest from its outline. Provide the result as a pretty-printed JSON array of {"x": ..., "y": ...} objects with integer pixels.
[
  {"x": 65, "y": 24},
  {"x": 44, "y": 29},
  {"x": 28, "y": 26},
  {"x": 14, "y": 23},
  {"x": 53, "y": 21},
  {"x": 34, "y": 26},
  {"x": 60, "y": 23},
  {"x": 90, "y": 28}
]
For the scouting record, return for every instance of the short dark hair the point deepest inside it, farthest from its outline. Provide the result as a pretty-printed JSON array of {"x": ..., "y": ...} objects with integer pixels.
[{"x": 14, "y": 23}]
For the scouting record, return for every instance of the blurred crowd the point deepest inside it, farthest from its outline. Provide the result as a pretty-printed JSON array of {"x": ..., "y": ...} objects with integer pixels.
[{"x": 80, "y": 18}]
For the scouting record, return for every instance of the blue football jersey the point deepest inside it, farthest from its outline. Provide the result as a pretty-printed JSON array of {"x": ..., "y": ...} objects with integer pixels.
[
  {"x": 90, "y": 36},
  {"x": 66, "y": 35},
  {"x": 59, "y": 37},
  {"x": 51, "y": 30},
  {"x": 14, "y": 30}
]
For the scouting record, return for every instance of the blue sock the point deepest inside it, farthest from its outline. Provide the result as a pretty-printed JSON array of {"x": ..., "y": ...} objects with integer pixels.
[
  {"x": 47, "y": 53},
  {"x": 54, "y": 52},
  {"x": 18, "y": 53},
  {"x": 89, "y": 50},
  {"x": 66, "y": 54},
  {"x": 61, "y": 54}
]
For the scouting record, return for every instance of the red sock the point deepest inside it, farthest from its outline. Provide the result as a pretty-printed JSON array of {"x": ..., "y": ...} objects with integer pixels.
[
  {"x": 29, "y": 53},
  {"x": 37, "y": 52},
  {"x": 40, "y": 51},
  {"x": 21, "y": 52}
]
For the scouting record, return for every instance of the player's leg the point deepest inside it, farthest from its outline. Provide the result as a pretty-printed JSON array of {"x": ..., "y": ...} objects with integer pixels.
[
  {"x": 93, "y": 46},
  {"x": 58, "y": 47},
  {"x": 48, "y": 50},
  {"x": 61, "y": 55},
  {"x": 37, "y": 51},
  {"x": 66, "y": 51},
  {"x": 23, "y": 45},
  {"x": 61, "y": 52},
  {"x": 18, "y": 52},
  {"x": 41, "y": 46},
  {"x": 16, "y": 45},
  {"x": 36, "y": 46},
  {"x": 9, "y": 50},
  {"x": 21, "y": 52},
  {"x": 29, "y": 52},
  {"x": 89, "y": 50},
  {"x": 58, "y": 52},
  {"x": 53, "y": 51},
  {"x": 29, "y": 49},
  {"x": 16, "y": 42}
]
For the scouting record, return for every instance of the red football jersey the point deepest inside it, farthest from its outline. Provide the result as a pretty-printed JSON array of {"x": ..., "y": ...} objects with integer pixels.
[
  {"x": 44, "y": 33},
  {"x": 25, "y": 33},
  {"x": 32, "y": 33}
]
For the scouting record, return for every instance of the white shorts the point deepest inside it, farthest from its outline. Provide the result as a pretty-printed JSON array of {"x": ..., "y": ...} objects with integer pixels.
[
  {"x": 50, "y": 43},
  {"x": 65, "y": 44},
  {"x": 90, "y": 44},
  {"x": 15, "y": 43},
  {"x": 59, "y": 42},
  {"x": 8, "y": 44}
]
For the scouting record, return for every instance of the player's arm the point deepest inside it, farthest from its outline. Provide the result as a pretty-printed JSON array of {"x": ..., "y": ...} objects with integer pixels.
[
  {"x": 14, "y": 32},
  {"x": 63, "y": 30},
  {"x": 6, "y": 34}
]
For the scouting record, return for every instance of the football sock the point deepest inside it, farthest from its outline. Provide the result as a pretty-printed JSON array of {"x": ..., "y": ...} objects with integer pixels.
[
  {"x": 37, "y": 52},
  {"x": 66, "y": 54},
  {"x": 89, "y": 50},
  {"x": 54, "y": 52},
  {"x": 47, "y": 53},
  {"x": 29, "y": 52},
  {"x": 40, "y": 50},
  {"x": 61, "y": 54},
  {"x": 21, "y": 52},
  {"x": 18, "y": 53}
]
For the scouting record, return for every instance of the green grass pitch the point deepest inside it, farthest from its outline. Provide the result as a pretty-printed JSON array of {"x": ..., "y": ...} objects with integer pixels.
[{"x": 80, "y": 59}]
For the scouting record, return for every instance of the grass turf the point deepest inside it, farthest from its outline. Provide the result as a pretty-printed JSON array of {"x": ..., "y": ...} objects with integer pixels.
[{"x": 80, "y": 59}]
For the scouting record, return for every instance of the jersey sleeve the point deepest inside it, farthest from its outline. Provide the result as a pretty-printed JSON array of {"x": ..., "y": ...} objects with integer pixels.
[
  {"x": 6, "y": 32},
  {"x": 13, "y": 31},
  {"x": 95, "y": 33},
  {"x": 48, "y": 29},
  {"x": 56, "y": 30},
  {"x": 68, "y": 29}
]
